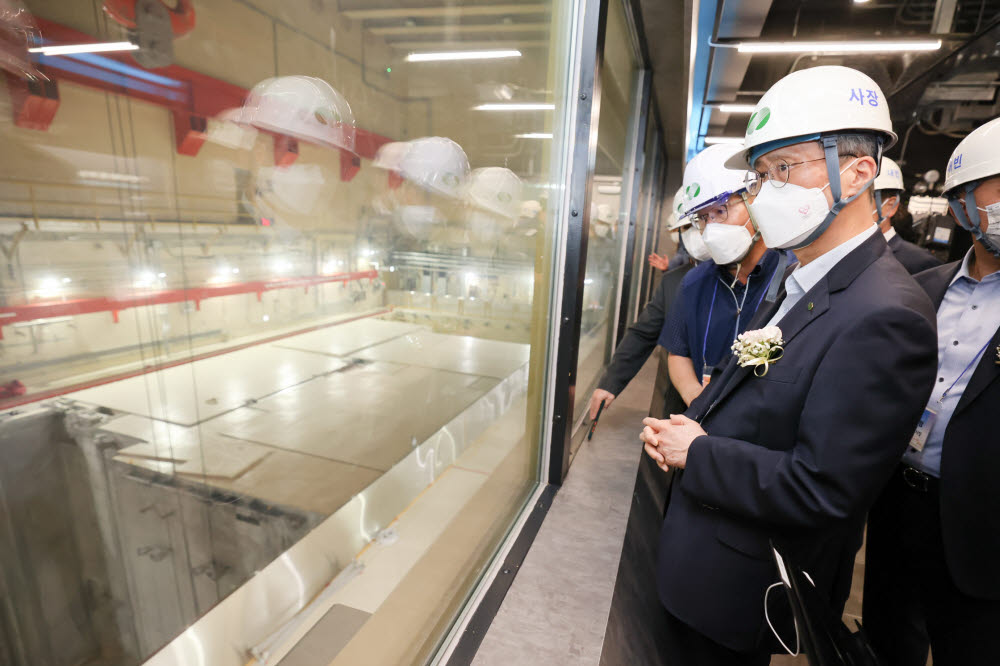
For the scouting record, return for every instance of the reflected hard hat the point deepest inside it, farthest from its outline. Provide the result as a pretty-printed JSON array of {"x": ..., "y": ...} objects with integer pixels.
[
  {"x": 677, "y": 217},
  {"x": 890, "y": 177},
  {"x": 708, "y": 181},
  {"x": 497, "y": 190},
  {"x": 437, "y": 165},
  {"x": 975, "y": 158},
  {"x": 302, "y": 107},
  {"x": 809, "y": 103},
  {"x": 390, "y": 155}
]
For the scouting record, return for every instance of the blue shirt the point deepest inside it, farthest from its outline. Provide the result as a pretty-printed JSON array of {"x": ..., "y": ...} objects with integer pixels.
[
  {"x": 804, "y": 278},
  {"x": 709, "y": 314},
  {"x": 967, "y": 319}
]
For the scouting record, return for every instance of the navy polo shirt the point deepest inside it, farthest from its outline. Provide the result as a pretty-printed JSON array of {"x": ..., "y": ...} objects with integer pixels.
[{"x": 708, "y": 314}]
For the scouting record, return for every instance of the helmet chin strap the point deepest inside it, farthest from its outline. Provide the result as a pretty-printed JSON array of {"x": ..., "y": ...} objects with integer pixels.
[
  {"x": 754, "y": 239},
  {"x": 753, "y": 220},
  {"x": 969, "y": 220},
  {"x": 878, "y": 206},
  {"x": 833, "y": 172}
]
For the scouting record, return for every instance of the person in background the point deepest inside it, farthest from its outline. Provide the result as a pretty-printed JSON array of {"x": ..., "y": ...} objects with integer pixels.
[
  {"x": 641, "y": 338},
  {"x": 793, "y": 442},
  {"x": 888, "y": 192},
  {"x": 931, "y": 573},
  {"x": 718, "y": 298}
]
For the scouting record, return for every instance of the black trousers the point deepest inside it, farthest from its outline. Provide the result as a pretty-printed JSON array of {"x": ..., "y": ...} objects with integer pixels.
[
  {"x": 910, "y": 601},
  {"x": 688, "y": 647}
]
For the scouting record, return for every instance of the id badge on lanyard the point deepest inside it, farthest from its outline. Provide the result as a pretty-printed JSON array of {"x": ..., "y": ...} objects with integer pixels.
[
  {"x": 923, "y": 431},
  {"x": 706, "y": 374}
]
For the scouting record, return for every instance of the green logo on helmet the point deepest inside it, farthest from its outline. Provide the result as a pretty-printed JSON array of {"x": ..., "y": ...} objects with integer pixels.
[
  {"x": 692, "y": 190},
  {"x": 758, "y": 120}
]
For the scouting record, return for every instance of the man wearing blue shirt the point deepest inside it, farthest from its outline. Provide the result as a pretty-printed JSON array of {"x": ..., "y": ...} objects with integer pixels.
[
  {"x": 933, "y": 561},
  {"x": 717, "y": 299}
]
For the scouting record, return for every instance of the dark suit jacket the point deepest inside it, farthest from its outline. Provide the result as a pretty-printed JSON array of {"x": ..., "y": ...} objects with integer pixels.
[
  {"x": 913, "y": 257},
  {"x": 800, "y": 454},
  {"x": 970, "y": 460},
  {"x": 640, "y": 340}
]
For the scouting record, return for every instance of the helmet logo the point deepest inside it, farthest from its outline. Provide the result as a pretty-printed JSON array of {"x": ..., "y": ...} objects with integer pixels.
[
  {"x": 758, "y": 120},
  {"x": 692, "y": 190},
  {"x": 955, "y": 163},
  {"x": 450, "y": 179},
  {"x": 504, "y": 197}
]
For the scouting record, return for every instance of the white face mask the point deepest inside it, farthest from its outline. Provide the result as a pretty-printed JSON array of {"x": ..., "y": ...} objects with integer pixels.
[
  {"x": 727, "y": 243},
  {"x": 675, "y": 237},
  {"x": 695, "y": 245},
  {"x": 418, "y": 221},
  {"x": 992, "y": 221},
  {"x": 786, "y": 215}
]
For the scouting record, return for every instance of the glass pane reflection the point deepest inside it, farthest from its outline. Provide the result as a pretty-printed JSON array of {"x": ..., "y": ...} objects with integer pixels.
[{"x": 275, "y": 304}]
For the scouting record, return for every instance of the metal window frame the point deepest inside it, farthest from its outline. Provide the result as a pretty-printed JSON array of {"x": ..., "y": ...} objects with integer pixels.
[
  {"x": 569, "y": 304},
  {"x": 645, "y": 217},
  {"x": 634, "y": 176},
  {"x": 656, "y": 211}
]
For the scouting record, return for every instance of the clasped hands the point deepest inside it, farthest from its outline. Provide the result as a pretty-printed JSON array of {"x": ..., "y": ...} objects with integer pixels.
[{"x": 667, "y": 441}]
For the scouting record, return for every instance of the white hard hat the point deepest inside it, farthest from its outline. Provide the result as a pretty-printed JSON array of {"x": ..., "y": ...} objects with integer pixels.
[
  {"x": 302, "y": 107},
  {"x": 390, "y": 155},
  {"x": 707, "y": 180},
  {"x": 437, "y": 165},
  {"x": 975, "y": 158},
  {"x": 890, "y": 177},
  {"x": 826, "y": 100},
  {"x": 497, "y": 190},
  {"x": 677, "y": 217}
]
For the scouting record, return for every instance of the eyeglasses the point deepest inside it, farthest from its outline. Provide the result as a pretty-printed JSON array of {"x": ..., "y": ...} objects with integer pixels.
[
  {"x": 777, "y": 173},
  {"x": 716, "y": 213}
]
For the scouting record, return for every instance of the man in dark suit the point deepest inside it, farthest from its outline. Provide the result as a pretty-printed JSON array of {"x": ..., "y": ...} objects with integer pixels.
[
  {"x": 888, "y": 192},
  {"x": 642, "y": 336},
  {"x": 932, "y": 573},
  {"x": 794, "y": 444}
]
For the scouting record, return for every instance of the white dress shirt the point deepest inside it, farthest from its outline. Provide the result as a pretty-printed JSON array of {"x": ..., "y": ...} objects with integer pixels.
[{"x": 804, "y": 278}]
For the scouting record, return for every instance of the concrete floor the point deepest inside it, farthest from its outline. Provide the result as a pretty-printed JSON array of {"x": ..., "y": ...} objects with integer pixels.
[{"x": 556, "y": 611}]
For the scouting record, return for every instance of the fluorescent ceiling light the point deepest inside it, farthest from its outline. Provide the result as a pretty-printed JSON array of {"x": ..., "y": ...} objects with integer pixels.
[
  {"x": 535, "y": 135},
  {"x": 737, "y": 108},
  {"x": 609, "y": 189},
  {"x": 97, "y": 47},
  {"x": 711, "y": 140},
  {"x": 514, "y": 106},
  {"x": 839, "y": 47},
  {"x": 463, "y": 55}
]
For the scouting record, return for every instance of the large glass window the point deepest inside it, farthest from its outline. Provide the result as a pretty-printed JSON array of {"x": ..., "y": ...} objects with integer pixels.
[
  {"x": 275, "y": 297},
  {"x": 608, "y": 211}
]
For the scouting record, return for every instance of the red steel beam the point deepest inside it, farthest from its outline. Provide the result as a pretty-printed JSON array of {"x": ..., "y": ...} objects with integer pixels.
[
  {"x": 80, "y": 306},
  {"x": 24, "y": 399},
  {"x": 198, "y": 95}
]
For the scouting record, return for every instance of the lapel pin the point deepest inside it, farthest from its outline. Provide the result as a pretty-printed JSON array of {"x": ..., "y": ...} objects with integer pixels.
[{"x": 810, "y": 306}]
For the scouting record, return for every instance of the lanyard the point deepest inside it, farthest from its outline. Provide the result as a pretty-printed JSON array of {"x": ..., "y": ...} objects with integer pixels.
[
  {"x": 739, "y": 305},
  {"x": 708, "y": 325},
  {"x": 974, "y": 360}
]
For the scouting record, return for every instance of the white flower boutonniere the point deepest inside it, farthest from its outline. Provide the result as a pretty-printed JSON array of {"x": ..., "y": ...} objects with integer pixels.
[
  {"x": 998, "y": 354},
  {"x": 759, "y": 349}
]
